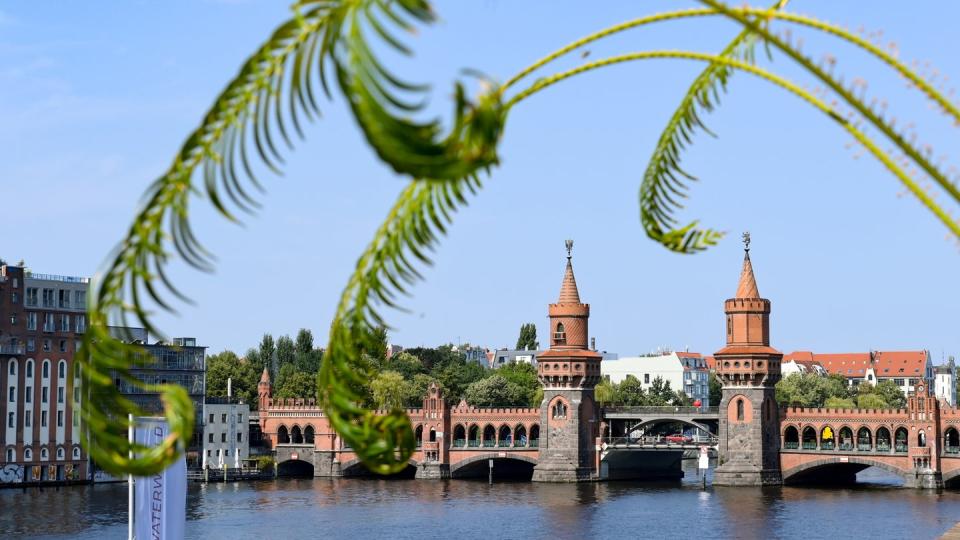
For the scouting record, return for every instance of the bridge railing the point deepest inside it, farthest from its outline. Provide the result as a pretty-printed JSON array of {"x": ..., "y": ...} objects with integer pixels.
[
  {"x": 660, "y": 440},
  {"x": 667, "y": 410}
]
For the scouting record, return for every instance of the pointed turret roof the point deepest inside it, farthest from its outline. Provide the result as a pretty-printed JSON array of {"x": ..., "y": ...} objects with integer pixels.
[
  {"x": 748, "y": 283},
  {"x": 265, "y": 377},
  {"x": 568, "y": 291}
]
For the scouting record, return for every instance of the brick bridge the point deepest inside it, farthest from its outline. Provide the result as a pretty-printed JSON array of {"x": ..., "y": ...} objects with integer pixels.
[
  {"x": 758, "y": 441},
  {"x": 452, "y": 442}
]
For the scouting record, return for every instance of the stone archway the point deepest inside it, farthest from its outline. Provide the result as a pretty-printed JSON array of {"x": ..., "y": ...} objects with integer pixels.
[
  {"x": 516, "y": 466},
  {"x": 838, "y": 469}
]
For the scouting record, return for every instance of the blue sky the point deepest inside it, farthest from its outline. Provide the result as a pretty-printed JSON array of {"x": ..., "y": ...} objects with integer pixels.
[{"x": 96, "y": 98}]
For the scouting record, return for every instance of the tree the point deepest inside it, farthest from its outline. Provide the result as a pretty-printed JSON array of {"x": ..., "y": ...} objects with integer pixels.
[
  {"x": 286, "y": 352},
  {"x": 244, "y": 377},
  {"x": 871, "y": 401},
  {"x": 811, "y": 390},
  {"x": 420, "y": 149},
  {"x": 406, "y": 364},
  {"x": 660, "y": 393},
  {"x": 421, "y": 384},
  {"x": 630, "y": 391},
  {"x": 390, "y": 390},
  {"x": 456, "y": 376},
  {"x": 496, "y": 391},
  {"x": 297, "y": 385},
  {"x": 524, "y": 376},
  {"x": 307, "y": 358},
  {"x": 605, "y": 392},
  {"x": 528, "y": 338},
  {"x": 266, "y": 354},
  {"x": 839, "y": 403},
  {"x": 716, "y": 389},
  {"x": 891, "y": 394}
]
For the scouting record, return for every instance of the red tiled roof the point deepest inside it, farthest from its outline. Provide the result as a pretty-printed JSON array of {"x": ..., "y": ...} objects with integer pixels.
[
  {"x": 747, "y": 288},
  {"x": 689, "y": 355},
  {"x": 711, "y": 362},
  {"x": 885, "y": 363}
]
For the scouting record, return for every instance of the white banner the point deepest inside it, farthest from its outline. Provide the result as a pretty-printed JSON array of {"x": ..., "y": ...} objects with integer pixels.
[{"x": 161, "y": 499}]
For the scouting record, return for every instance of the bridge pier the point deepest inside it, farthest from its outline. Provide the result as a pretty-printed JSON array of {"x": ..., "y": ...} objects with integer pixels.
[
  {"x": 924, "y": 479},
  {"x": 433, "y": 470}
]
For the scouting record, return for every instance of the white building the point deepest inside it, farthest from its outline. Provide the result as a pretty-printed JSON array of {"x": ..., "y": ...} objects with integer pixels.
[
  {"x": 945, "y": 382},
  {"x": 683, "y": 370},
  {"x": 905, "y": 369},
  {"x": 801, "y": 362},
  {"x": 226, "y": 432}
]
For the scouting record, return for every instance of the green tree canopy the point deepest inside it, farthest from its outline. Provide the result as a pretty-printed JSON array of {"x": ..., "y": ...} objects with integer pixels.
[
  {"x": 871, "y": 401},
  {"x": 266, "y": 354},
  {"x": 838, "y": 403},
  {"x": 528, "y": 338},
  {"x": 295, "y": 384},
  {"x": 630, "y": 391},
  {"x": 457, "y": 375},
  {"x": 496, "y": 391},
  {"x": 286, "y": 351},
  {"x": 244, "y": 376},
  {"x": 606, "y": 392},
  {"x": 391, "y": 391},
  {"x": 716, "y": 389},
  {"x": 406, "y": 364},
  {"x": 524, "y": 376}
]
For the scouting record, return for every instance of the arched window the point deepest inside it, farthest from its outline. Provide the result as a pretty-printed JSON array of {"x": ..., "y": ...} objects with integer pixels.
[
  {"x": 560, "y": 336},
  {"x": 921, "y": 439},
  {"x": 62, "y": 369},
  {"x": 845, "y": 439},
  {"x": 489, "y": 436},
  {"x": 46, "y": 369},
  {"x": 473, "y": 436},
  {"x": 883, "y": 440},
  {"x": 560, "y": 409},
  {"x": 11, "y": 455},
  {"x": 505, "y": 436},
  {"x": 27, "y": 454},
  {"x": 740, "y": 410},
  {"x": 29, "y": 369},
  {"x": 826, "y": 438},
  {"x": 900, "y": 440},
  {"x": 59, "y": 453},
  {"x": 535, "y": 435},
  {"x": 864, "y": 440},
  {"x": 283, "y": 437},
  {"x": 520, "y": 436},
  {"x": 76, "y": 452},
  {"x": 418, "y": 434},
  {"x": 296, "y": 436},
  {"x": 308, "y": 435},
  {"x": 791, "y": 438},
  {"x": 951, "y": 441},
  {"x": 459, "y": 436},
  {"x": 433, "y": 435},
  {"x": 809, "y": 440},
  {"x": 13, "y": 367}
]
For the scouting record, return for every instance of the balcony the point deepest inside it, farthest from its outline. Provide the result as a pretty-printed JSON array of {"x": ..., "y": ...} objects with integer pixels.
[
  {"x": 864, "y": 447},
  {"x": 881, "y": 447},
  {"x": 826, "y": 445},
  {"x": 489, "y": 444},
  {"x": 534, "y": 443},
  {"x": 504, "y": 444},
  {"x": 951, "y": 450},
  {"x": 845, "y": 447},
  {"x": 54, "y": 277},
  {"x": 807, "y": 445},
  {"x": 900, "y": 447},
  {"x": 791, "y": 445},
  {"x": 473, "y": 443},
  {"x": 459, "y": 443}
]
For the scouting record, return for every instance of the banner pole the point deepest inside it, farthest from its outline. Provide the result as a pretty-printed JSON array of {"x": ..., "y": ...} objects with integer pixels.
[{"x": 130, "y": 508}]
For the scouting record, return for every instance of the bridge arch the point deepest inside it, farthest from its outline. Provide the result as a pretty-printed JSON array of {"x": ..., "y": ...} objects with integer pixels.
[
  {"x": 667, "y": 419},
  {"x": 515, "y": 465},
  {"x": 823, "y": 467},
  {"x": 354, "y": 467}
]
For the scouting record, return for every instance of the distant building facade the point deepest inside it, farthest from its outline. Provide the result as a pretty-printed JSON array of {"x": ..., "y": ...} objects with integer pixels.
[
  {"x": 906, "y": 369},
  {"x": 502, "y": 357},
  {"x": 945, "y": 383},
  {"x": 685, "y": 371},
  {"x": 801, "y": 362},
  {"x": 42, "y": 321},
  {"x": 226, "y": 432}
]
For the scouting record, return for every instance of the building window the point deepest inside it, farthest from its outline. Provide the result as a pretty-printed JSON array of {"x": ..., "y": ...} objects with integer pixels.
[
  {"x": 239, "y": 418},
  {"x": 223, "y": 437},
  {"x": 43, "y": 453},
  {"x": 13, "y": 367},
  {"x": 646, "y": 378},
  {"x": 27, "y": 454},
  {"x": 80, "y": 299},
  {"x": 28, "y": 394},
  {"x": 210, "y": 438},
  {"x": 31, "y": 320},
  {"x": 223, "y": 418},
  {"x": 46, "y": 369},
  {"x": 31, "y": 298},
  {"x": 81, "y": 323},
  {"x": 76, "y": 394},
  {"x": 43, "y": 394},
  {"x": 63, "y": 346},
  {"x": 13, "y": 394},
  {"x": 211, "y": 420},
  {"x": 46, "y": 345},
  {"x": 739, "y": 410},
  {"x": 560, "y": 410},
  {"x": 15, "y": 298},
  {"x": 76, "y": 452},
  {"x": 27, "y": 418},
  {"x": 64, "y": 323},
  {"x": 239, "y": 437},
  {"x": 60, "y": 394},
  {"x": 59, "y": 453},
  {"x": 76, "y": 418},
  {"x": 48, "y": 298},
  {"x": 62, "y": 369},
  {"x": 64, "y": 298},
  {"x": 59, "y": 418},
  {"x": 48, "y": 324},
  {"x": 31, "y": 345},
  {"x": 10, "y": 455},
  {"x": 11, "y": 419},
  {"x": 13, "y": 319}
]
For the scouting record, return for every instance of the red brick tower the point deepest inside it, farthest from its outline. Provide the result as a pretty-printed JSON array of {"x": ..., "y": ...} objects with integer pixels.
[
  {"x": 568, "y": 371},
  {"x": 749, "y": 443},
  {"x": 263, "y": 389}
]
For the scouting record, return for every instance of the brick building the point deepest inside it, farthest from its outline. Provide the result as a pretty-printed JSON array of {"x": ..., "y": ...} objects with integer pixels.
[
  {"x": 42, "y": 321},
  {"x": 905, "y": 369}
]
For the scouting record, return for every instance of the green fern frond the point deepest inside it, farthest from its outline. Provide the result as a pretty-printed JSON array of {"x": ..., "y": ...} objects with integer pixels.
[{"x": 387, "y": 268}]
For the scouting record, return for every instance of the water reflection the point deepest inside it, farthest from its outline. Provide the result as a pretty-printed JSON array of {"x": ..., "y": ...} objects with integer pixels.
[{"x": 374, "y": 508}]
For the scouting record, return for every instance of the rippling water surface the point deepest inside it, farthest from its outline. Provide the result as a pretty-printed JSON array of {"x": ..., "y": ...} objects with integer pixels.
[{"x": 357, "y": 508}]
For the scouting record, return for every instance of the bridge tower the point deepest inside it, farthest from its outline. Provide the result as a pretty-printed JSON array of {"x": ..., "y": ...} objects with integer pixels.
[
  {"x": 568, "y": 371},
  {"x": 749, "y": 368}
]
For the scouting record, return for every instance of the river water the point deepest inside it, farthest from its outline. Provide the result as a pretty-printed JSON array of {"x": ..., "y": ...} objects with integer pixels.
[{"x": 464, "y": 509}]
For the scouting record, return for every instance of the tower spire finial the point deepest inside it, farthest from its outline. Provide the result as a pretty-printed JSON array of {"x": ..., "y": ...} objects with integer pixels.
[
  {"x": 746, "y": 241},
  {"x": 569, "y": 244}
]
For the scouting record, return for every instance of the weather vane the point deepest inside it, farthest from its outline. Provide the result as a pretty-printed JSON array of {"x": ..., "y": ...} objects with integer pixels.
[
  {"x": 746, "y": 241},
  {"x": 569, "y": 248}
]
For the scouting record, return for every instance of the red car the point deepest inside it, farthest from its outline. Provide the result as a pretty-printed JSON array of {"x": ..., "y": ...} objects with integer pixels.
[{"x": 679, "y": 439}]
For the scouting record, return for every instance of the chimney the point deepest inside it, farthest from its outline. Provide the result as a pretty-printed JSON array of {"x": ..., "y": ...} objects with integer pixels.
[
  {"x": 593, "y": 344},
  {"x": 229, "y": 387}
]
